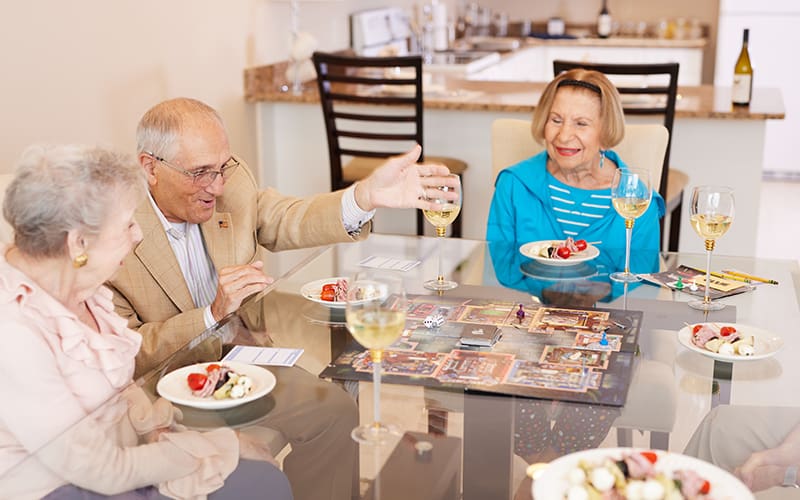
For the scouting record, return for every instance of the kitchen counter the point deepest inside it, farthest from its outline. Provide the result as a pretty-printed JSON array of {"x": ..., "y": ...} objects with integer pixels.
[
  {"x": 262, "y": 84},
  {"x": 712, "y": 142},
  {"x": 619, "y": 41}
]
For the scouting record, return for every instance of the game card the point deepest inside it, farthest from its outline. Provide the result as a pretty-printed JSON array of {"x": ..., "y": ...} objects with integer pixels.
[
  {"x": 592, "y": 340},
  {"x": 408, "y": 363},
  {"x": 551, "y": 320},
  {"x": 491, "y": 314},
  {"x": 573, "y": 356},
  {"x": 558, "y": 378},
  {"x": 474, "y": 367}
]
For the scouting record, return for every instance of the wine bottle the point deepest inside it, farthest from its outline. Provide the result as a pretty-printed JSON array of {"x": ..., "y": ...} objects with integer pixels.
[
  {"x": 604, "y": 22},
  {"x": 743, "y": 75}
]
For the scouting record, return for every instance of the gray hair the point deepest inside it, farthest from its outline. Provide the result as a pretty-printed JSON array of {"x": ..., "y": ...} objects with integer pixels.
[
  {"x": 60, "y": 188},
  {"x": 160, "y": 127}
]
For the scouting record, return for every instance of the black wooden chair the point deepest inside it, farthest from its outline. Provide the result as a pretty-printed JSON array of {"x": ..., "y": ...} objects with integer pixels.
[
  {"x": 373, "y": 109},
  {"x": 649, "y": 89}
]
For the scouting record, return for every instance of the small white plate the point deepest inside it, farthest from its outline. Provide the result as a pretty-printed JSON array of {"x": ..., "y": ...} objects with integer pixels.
[
  {"x": 552, "y": 482},
  {"x": 173, "y": 386},
  {"x": 533, "y": 248},
  {"x": 313, "y": 289},
  {"x": 766, "y": 343}
]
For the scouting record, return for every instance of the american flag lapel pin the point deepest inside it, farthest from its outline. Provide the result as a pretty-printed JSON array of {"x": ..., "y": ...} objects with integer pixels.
[{"x": 223, "y": 224}]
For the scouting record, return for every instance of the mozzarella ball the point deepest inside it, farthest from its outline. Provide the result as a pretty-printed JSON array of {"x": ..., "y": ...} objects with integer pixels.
[
  {"x": 577, "y": 476},
  {"x": 602, "y": 479}
]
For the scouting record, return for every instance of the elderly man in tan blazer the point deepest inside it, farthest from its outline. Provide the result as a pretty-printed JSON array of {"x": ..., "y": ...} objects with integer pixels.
[{"x": 204, "y": 227}]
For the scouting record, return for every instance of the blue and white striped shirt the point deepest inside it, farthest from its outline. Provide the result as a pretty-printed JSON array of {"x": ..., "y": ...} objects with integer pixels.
[{"x": 577, "y": 208}]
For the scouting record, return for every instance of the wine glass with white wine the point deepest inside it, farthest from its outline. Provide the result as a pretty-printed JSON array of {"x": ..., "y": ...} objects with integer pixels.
[
  {"x": 712, "y": 210},
  {"x": 631, "y": 193},
  {"x": 376, "y": 316},
  {"x": 444, "y": 215}
]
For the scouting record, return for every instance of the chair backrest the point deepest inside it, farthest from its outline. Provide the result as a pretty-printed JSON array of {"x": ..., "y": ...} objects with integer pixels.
[
  {"x": 645, "y": 89},
  {"x": 644, "y": 145},
  {"x": 372, "y": 106}
]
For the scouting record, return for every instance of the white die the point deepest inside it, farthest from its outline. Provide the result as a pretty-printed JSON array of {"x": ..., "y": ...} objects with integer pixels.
[{"x": 433, "y": 321}]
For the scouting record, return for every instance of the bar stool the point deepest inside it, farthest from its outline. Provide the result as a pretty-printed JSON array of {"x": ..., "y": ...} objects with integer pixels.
[{"x": 373, "y": 109}]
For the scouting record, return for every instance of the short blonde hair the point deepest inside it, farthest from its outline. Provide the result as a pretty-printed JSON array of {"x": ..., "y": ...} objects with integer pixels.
[{"x": 612, "y": 118}]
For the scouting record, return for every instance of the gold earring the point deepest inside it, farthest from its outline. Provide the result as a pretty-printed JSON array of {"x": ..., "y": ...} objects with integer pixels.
[{"x": 80, "y": 261}]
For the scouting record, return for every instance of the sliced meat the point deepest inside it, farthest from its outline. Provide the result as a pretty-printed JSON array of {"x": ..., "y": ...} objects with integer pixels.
[
  {"x": 639, "y": 467},
  {"x": 703, "y": 335}
]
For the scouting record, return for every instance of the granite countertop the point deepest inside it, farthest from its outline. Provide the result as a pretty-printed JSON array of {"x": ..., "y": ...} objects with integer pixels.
[
  {"x": 263, "y": 84},
  {"x": 619, "y": 41}
]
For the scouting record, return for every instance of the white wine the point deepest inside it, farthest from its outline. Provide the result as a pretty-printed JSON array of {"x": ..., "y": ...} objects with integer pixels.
[
  {"x": 630, "y": 208},
  {"x": 376, "y": 329},
  {"x": 711, "y": 227},
  {"x": 604, "y": 22},
  {"x": 742, "y": 89},
  {"x": 443, "y": 217}
]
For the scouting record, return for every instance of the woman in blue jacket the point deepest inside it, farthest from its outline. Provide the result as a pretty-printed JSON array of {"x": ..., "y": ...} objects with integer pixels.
[{"x": 566, "y": 189}]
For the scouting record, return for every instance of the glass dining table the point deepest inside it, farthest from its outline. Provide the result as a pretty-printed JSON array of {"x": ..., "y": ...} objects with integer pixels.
[{"x": 463, "y": 442}]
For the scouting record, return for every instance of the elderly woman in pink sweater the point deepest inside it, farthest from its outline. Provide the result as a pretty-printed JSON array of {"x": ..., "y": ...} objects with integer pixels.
[{"x": 72, "y": 423}]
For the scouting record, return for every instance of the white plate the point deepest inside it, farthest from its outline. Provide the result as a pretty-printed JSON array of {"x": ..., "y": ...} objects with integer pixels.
[
  {"x": 532, "y": 250},
  {"x": 173, "y": 386},
  {"x": 579, "y": 271},
  {"x": 313, "y": 289},
  {"x": 766, "y": 344},
  {"x": 552, "y": 483}
]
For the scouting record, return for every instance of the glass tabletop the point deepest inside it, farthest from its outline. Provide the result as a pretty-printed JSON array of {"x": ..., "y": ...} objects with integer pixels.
[{"x": 472, "y": 444}]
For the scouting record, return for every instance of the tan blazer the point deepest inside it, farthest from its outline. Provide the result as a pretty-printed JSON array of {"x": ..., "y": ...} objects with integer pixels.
[{"x": 150, "y": 290}]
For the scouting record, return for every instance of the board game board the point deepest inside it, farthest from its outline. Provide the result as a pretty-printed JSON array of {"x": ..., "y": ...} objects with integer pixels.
[{"x": 547, "y": 352}]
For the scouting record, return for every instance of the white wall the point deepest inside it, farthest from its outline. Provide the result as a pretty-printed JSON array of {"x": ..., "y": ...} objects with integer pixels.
[{"x": 86, "y": 70}]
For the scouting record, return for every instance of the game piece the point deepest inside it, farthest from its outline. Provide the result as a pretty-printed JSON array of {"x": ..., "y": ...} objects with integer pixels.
[
  {"x": 520, "y": 314},
  {"x": 604, "y": 339},
  {"x": 433, "y": 321},
  {"x": 679, "y": 284}
]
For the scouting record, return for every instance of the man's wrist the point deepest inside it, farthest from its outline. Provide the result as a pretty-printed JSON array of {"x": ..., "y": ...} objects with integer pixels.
[
  {"x": 361, "y": 195},
  {"x": 790, "y": 477}
]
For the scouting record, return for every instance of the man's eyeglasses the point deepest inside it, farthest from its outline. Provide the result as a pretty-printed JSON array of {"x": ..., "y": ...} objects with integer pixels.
[{"x": 201, "y": 178}]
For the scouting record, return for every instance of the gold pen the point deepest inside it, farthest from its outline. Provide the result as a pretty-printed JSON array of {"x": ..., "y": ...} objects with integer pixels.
[{"x": 750, "y": 277}]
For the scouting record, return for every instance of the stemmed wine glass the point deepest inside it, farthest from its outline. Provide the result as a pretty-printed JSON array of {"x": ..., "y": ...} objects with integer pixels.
[
  {"x": 712, "y": 213},
  {"x": 631, "y": 192},
  {"x": 443, "y": 216},
  {"x": 376, "y": 316}
]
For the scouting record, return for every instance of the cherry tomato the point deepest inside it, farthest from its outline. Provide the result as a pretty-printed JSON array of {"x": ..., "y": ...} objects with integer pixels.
[
  {"x": 706, "y": 488},
  {"x": 329, "y": 295},
  {"x": 563, "y": 252},
  {"x": 650, "y": 456},
  {"x": 727, "y": 330},
  {"x": 210, "y": 368},
  {"x": 581, "y": 245},
  {"x": 696, "y": 328},
  {"x": 329, "y": 286},
  {"x": 196, "y": 381}
]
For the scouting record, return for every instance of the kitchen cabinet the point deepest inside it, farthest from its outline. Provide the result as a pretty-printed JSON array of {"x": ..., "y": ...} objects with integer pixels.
[{"x": 535, "y": 64}]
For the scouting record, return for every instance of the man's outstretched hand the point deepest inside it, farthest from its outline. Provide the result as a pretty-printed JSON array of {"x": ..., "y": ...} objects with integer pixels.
[{"x": 402, "y": 183}]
